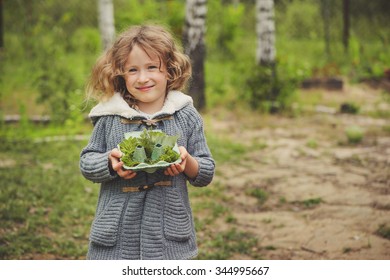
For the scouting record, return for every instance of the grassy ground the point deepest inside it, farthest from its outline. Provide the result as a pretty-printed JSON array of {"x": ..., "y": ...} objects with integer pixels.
[{"x": 46, "y": 206}]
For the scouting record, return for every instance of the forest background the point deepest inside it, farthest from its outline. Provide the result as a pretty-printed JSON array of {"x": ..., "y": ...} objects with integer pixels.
[{"x": 48, "y": 50}]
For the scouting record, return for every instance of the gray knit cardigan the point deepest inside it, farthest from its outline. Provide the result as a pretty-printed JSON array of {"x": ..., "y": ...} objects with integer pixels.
[{"x": 156, "y": 223}]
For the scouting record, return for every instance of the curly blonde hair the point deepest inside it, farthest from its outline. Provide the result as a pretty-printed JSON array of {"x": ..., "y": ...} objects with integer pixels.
[{"x": 107, "y": 74}]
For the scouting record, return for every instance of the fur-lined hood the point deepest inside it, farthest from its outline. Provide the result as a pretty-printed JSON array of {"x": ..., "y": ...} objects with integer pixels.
[{"x": 116, "y": 105}]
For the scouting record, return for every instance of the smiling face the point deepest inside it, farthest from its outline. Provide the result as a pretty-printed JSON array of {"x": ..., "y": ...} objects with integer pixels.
[{"x": 146, "y": 80}]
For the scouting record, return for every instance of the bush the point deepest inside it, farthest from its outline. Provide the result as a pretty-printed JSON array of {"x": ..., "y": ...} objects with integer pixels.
[
  {"x": 383, "y": 231},
  {"x": 349, "y": 108},
  {"x": 269, "y": 91},
  {"x": 354, "y": 134}
]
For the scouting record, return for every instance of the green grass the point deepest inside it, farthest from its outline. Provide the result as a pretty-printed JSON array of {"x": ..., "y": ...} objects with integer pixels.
[
  {"x": 258, "y": 193},
  {"x": 383, "y": 231},
  {"x": 46, "y": 206},
  {"x": 224, "y": 149},
  {"x": 312, "y": 143},
  {"x": 226, "y": 244},
  {"x": 310, "y": 202},
  {"x": 355, "y": 134}
]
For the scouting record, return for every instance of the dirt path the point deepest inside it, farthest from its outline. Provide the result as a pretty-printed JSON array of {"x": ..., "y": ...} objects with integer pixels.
[{"x": 325, "y": 198}]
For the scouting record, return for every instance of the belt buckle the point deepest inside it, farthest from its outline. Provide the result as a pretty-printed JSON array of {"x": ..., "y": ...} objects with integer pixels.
[{"x": 142, "y": 188}]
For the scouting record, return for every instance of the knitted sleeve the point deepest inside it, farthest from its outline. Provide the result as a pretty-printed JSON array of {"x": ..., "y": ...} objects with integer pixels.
[
  {"x": 197, "y": 147},
  {"x": 94, "y": 157}
]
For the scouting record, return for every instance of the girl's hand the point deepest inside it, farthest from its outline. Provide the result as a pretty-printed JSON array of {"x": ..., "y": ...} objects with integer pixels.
[
  {"x": 188, "y": 165},
  {"x": 177, "y": 168},
  {"x": 117, "y": 165}
]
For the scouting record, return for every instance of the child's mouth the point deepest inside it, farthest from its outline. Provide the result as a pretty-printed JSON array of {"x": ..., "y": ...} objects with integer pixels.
[{"x": 145, "y": 88}]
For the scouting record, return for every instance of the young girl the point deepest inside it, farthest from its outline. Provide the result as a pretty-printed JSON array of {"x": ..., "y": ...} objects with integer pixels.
[{"x": 143, "y": 215}]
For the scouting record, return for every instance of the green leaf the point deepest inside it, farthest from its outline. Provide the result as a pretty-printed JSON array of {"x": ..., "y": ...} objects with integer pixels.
[{"x": 148, "y": 139}]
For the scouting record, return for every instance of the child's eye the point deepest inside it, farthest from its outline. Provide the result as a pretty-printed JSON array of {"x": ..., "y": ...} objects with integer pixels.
[
  {"x": 152, "y": 67},
  {"x": 132, "y": 70}
]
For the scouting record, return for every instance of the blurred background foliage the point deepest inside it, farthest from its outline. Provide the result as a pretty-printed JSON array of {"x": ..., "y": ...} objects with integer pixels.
[{"x": 50, "y": 46}]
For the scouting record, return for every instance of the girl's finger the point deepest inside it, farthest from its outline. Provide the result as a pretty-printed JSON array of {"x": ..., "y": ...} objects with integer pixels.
[
  {"x": 117, "y": 166},
  {"x": 130, "y": 175},
  {"x": 179, "y": 168},
  {"x": 176, "y": 169},
  {"x": 169, "y": 171}
]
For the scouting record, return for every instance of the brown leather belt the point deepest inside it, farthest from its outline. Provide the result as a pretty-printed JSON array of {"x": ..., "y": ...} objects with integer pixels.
[{"x": 145, "y": 187}]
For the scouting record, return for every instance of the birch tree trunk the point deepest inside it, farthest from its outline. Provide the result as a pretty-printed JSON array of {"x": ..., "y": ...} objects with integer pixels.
[
  {"x": 106, "y": 22},
  {"x": 194, "y": 47},
  {"x": 265, "y": 56},
  {"x": 265, "y": 29}
]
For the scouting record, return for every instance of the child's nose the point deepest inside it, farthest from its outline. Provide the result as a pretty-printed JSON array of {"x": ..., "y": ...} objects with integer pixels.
[{"x": 143, "y": 77}]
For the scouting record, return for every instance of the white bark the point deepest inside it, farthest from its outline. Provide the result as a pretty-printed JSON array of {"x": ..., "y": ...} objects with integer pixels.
[
  {"x": 196, "y": 11},
  {"x": 194, "y": 47},
  {"x": 265, "y": 29},
  {"x": 106, "y": 22}
]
